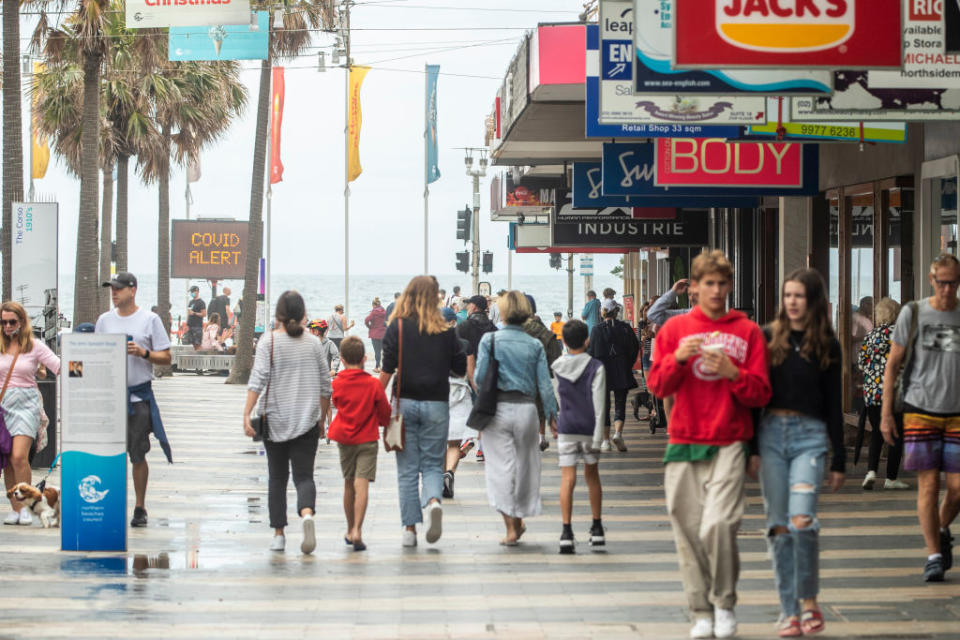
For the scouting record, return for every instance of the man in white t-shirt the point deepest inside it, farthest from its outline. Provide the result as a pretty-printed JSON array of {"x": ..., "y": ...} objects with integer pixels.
[{"x": 147, "y": 344}]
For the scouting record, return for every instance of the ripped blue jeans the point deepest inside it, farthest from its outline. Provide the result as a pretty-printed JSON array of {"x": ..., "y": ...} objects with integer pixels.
[{"x": 793, "y": 452}]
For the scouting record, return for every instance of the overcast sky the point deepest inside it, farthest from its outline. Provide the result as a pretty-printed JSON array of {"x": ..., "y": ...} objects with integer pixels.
[{"x": 386, "y": 219}]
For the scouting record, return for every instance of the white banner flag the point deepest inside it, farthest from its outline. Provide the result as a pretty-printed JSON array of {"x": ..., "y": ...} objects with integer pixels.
[{"x": 142, "y": 14}]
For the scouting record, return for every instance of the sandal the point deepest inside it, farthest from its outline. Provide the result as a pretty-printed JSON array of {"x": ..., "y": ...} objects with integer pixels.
[
  {"x": 811, "y": 622},
  {"x": 790, "y": 628}
]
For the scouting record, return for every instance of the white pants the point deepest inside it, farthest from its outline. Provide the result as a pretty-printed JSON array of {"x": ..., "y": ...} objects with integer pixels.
[{"x": 511, "y": 449}]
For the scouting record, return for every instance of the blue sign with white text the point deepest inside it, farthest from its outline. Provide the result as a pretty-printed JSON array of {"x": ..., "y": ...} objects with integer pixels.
[
  {"x": 227, "y": 42},
  {"x": 93, "y": 514}
]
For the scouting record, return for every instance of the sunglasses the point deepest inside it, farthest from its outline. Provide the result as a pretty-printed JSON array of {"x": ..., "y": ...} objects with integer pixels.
[
  {"x": 9, "y": 323},
  {"x": 946, "y": 283}
]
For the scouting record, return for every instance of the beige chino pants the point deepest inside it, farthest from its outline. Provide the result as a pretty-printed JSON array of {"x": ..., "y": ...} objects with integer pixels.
[{"x": 705, "y": 504}]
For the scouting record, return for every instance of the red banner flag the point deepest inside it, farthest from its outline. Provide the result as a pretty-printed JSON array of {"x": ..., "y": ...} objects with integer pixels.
[{"x": 276, "y": 121}]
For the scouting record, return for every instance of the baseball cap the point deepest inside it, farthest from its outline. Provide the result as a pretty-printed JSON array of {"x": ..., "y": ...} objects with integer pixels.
[
  {"x": 479, "y": 301},
  {"x": 533, "y": 303},
  {"x": 121, "y": 280},
  {"x": 448, "y": 314}
]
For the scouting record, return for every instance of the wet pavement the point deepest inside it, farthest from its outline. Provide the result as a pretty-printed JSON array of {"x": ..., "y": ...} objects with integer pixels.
[{"x": 202, "y": 568}]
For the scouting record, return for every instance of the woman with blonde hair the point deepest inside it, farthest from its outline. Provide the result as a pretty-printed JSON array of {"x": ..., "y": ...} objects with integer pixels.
[
  {"x": 210, "y": 332},
  {"x": 511, "y": 441},
  {"x": 423, "y": 351},
  {"x": 21, "y": 359}
]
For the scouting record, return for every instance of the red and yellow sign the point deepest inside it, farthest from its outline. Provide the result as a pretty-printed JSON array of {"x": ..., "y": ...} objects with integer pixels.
[
  {"x": 712, "y": 162},
  {"x": 276, "y": 125},
  {"x": 848, "y": 34}
]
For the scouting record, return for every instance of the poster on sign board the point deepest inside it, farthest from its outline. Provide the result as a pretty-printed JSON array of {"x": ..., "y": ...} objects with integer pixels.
[
  {"x": 845, "y": 34},
  {"x": 143, "y": 14},
  {"x": 925, "y": 65},
  {"x": 891, "y": 132},
  {"x": 854, "y": 100},
  {"x": 653, "y": 31}
]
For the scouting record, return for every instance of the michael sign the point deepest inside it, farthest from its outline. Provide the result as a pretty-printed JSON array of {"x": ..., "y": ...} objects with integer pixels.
[
  {"x": 712, "y": 162},
  {"x": 142, "y": 14},
  {"x": 208, "y": 249}
]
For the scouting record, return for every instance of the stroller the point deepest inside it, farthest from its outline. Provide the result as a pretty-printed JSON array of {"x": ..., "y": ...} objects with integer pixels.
[{"x": 653, "y": 405}]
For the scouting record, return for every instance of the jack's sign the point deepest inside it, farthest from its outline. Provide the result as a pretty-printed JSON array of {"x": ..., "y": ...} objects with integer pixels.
[
  {"x": 212, "y": 249},
  {"x": 142, "y": 14},
  {"x": 693, "y": 162},
  {"x": 850, "y": 34}
]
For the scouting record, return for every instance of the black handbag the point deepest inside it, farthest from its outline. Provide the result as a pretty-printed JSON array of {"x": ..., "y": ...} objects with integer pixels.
[
  {"x": 485, "y": 406},
  {"x": 259, "y": 423}
]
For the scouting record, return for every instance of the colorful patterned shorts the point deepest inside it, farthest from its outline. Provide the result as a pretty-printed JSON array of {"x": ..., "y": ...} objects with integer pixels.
[{"x": 931, "y": 442}]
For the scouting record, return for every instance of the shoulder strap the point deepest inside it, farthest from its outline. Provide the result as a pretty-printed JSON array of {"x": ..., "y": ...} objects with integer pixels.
[
  {"x": 911, "y": 341},
  {"x": 273, "y": 338},
  {"x": 6, "y": 382}
]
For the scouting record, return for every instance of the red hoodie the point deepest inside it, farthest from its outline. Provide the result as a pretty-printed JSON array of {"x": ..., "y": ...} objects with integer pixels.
[
  {"x": 362, "y": 407},
  {"x": 708, "y": 409}
]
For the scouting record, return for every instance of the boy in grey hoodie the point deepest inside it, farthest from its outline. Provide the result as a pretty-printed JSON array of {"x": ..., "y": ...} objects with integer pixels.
[{"x": 580, "y": 384}]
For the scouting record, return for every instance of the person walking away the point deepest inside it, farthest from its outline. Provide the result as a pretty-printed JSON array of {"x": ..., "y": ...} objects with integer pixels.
[
  {"x": 461, "y": 403},
  {"x": 931, "y": 408},
  {"x": 715, "y": 362},
  {"x": 292, "y": 367},
  {"x": 22, "y": 359},
  {"x": 535, "y": 328},
  {"x": 196, "y": 311},
  {"x": 376, "y": 323},
  {"x": 557, "y": 325},
  {"x": 362, "y": 407},
  {"x": 221, "y": 305},
  {"x": 338, "y": 325},
  {"x": 510, "y": 439},
  {"x": 580, "y": 383},
  {"x": 804, "y": 413},
  {"x": 319, "y": 328},
  {"x": 211, "y": 333},
  {"x": 453, "y": 298},
  {"x": 495, "y": 309},
  {"x": 591, "y": 311},
  {"x": 392, "y": 305},
  {"x": 148, "y": 344},
  {"x": 872, "y": 361},
  {"x": 472, "y": 330},
  {"x": 614, "y": 343},
  {"x": 431, "y": 351}
]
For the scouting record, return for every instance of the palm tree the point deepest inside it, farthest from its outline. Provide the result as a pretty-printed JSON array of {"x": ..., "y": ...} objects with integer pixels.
[
  {"x": 12, "y": 136},
  {"x": 288, "y": 39}
]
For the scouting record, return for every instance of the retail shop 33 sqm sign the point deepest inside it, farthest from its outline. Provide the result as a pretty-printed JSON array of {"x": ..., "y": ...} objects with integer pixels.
[
  {"x": 860, "y": 34},
  {"x": 694, "y": 162}
]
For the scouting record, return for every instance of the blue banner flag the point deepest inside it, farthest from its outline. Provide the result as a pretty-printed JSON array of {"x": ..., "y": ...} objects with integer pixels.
[
  {"x": 228, "y": 42},
  {"x": 433, "y": 152}
]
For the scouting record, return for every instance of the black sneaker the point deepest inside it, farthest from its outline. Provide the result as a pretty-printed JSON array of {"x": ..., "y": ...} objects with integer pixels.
[
  {"x": 946, "y": 548},
  {"x": 933, "y": 571},
  {"x": 566, "y": 543},
  {"x": 447, "y": 484},
  {"x": 139, "y": 517},
  {"x": 597, "y": 538}
]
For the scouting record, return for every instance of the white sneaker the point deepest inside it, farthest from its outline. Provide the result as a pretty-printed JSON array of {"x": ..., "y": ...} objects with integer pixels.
[
  {"x": 895, "y": 484},
  {"x": 278, "y": 544},
  {"x": 605, "y": 446},
  {"x": 409, "y": 538},
  {"x": 869, "y": 479},
  {"x": 309, "y": 535},
  {"x": 724, "y": 623},
  {"x": 434, "y": 522},
  {"x": 617, "y": 440},
  {"x": 12, "y": 518},
  {"x": 702, "y": 628},
  {"x": 25, "y": 518}
]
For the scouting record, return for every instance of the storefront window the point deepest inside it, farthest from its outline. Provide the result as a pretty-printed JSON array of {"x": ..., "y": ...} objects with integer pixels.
[{"x": 945, "y": 199}]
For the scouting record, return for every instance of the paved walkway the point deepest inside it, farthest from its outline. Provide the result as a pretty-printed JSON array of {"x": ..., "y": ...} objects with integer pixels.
[{"x": 202, "y": 568}]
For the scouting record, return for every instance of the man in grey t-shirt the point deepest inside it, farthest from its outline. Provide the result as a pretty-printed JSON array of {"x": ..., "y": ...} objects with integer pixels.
[{"x": 931, "y": 418}]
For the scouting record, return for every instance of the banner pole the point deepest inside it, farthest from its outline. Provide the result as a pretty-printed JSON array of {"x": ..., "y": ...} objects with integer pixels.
[
  {"x": 346, "y": 171},
  {"x": 268, "y": 253},
  {"x": 426, "y": 169}
]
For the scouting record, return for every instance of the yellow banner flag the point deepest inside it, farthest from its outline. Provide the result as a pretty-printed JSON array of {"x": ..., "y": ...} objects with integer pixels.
[
  {"x": 354, "y": 122},
  {"x": 41, "y": 150}
]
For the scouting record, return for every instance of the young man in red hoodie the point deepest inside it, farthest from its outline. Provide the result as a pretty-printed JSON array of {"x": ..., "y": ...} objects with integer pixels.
[
  {"x": 714, "y": 363},
  {"x": 362, "y": 407}
]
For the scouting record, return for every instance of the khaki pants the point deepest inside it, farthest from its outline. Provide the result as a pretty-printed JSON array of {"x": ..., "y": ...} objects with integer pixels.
[{"x": 705, "y": 504}]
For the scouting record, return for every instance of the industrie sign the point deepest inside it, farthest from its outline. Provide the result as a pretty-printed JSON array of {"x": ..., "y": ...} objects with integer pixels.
[
  {"x": 142, "y": 14},
  {"x": 689, "y": 229},
  {"x": 925, "y": 64},
  {"x": 850, "y": 34},
  {"x": 716, "y": 163},
  {"x": 213, "y": 249}
]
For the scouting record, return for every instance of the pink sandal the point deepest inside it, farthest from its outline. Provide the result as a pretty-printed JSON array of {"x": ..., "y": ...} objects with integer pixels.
[
  {"x": 811, "y": 622},
  {"x": 790, "y": 629}
]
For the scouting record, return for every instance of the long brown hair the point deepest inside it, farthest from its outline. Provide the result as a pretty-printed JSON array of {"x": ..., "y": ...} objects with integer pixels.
[
  {"x": 25, "y": 337},
  {"x": 818, "y": 335},
  {"x": 290, "y": 313},
  {"x": 421, "y": 302}
]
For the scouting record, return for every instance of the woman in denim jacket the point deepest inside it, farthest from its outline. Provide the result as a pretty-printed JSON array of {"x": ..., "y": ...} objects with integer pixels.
[{"x": 511, "y": 440}]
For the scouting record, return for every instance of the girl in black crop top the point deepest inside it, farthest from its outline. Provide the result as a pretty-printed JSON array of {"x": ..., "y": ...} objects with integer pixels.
[{"x": 804, "y": 416}]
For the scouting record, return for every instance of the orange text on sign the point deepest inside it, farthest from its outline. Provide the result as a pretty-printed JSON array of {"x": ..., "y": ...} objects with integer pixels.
[{"x": 215, "y": 249}]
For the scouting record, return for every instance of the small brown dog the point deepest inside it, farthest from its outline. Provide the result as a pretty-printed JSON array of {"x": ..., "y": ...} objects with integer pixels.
[{"x": 46, "y": 503}]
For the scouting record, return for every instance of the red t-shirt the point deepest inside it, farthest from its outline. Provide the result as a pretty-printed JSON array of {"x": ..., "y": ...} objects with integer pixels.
[{"x": 362, "y": 407}]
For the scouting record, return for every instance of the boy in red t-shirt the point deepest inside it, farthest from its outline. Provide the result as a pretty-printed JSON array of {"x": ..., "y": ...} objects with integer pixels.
[
  {"x": 714, "y": 363},
  {"x": 362, "y": 407}
]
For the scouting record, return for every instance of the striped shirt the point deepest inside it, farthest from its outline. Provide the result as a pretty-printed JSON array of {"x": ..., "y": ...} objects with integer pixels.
[{"x": 299, "y": 378}]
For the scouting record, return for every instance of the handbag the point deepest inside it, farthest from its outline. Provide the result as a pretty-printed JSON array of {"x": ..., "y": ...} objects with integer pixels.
[
  {"x": 6, "y": 440},
  {"x": 485, "y": 406},
  {"x": 393, "y": 433},
  {"x": 259, "y": 423},
  {"x": 903, "y": 378}
]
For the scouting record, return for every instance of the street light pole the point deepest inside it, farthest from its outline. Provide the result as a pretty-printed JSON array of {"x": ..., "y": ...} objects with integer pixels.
[{"x": 476, "y": 174}]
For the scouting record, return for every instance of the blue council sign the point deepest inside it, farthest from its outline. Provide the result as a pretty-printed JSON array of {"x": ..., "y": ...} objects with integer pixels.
[{"x": 228, "y": 42}]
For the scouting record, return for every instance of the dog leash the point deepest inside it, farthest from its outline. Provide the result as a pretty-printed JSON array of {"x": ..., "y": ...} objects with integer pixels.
[{"x": 43, "y": 483}]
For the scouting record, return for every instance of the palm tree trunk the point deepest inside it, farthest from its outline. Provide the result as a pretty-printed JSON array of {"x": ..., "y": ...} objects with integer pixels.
[
  {"x": 106, "y": 236},
  {"x": 12, "y": 137},
  {"x": 122, "y": 186},
  {"x": 163, "y": 234},
  {"x": 85, "y": 293},
  {"x": 243, "y": 363}
]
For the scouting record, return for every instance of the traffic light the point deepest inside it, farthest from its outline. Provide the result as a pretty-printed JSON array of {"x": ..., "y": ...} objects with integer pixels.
[
  {"x": 463, "y": 261},
  {"x": 464, "y": 226},
  {"x": 488, "y": 262},
  {"x": 556, "y": 261}
]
